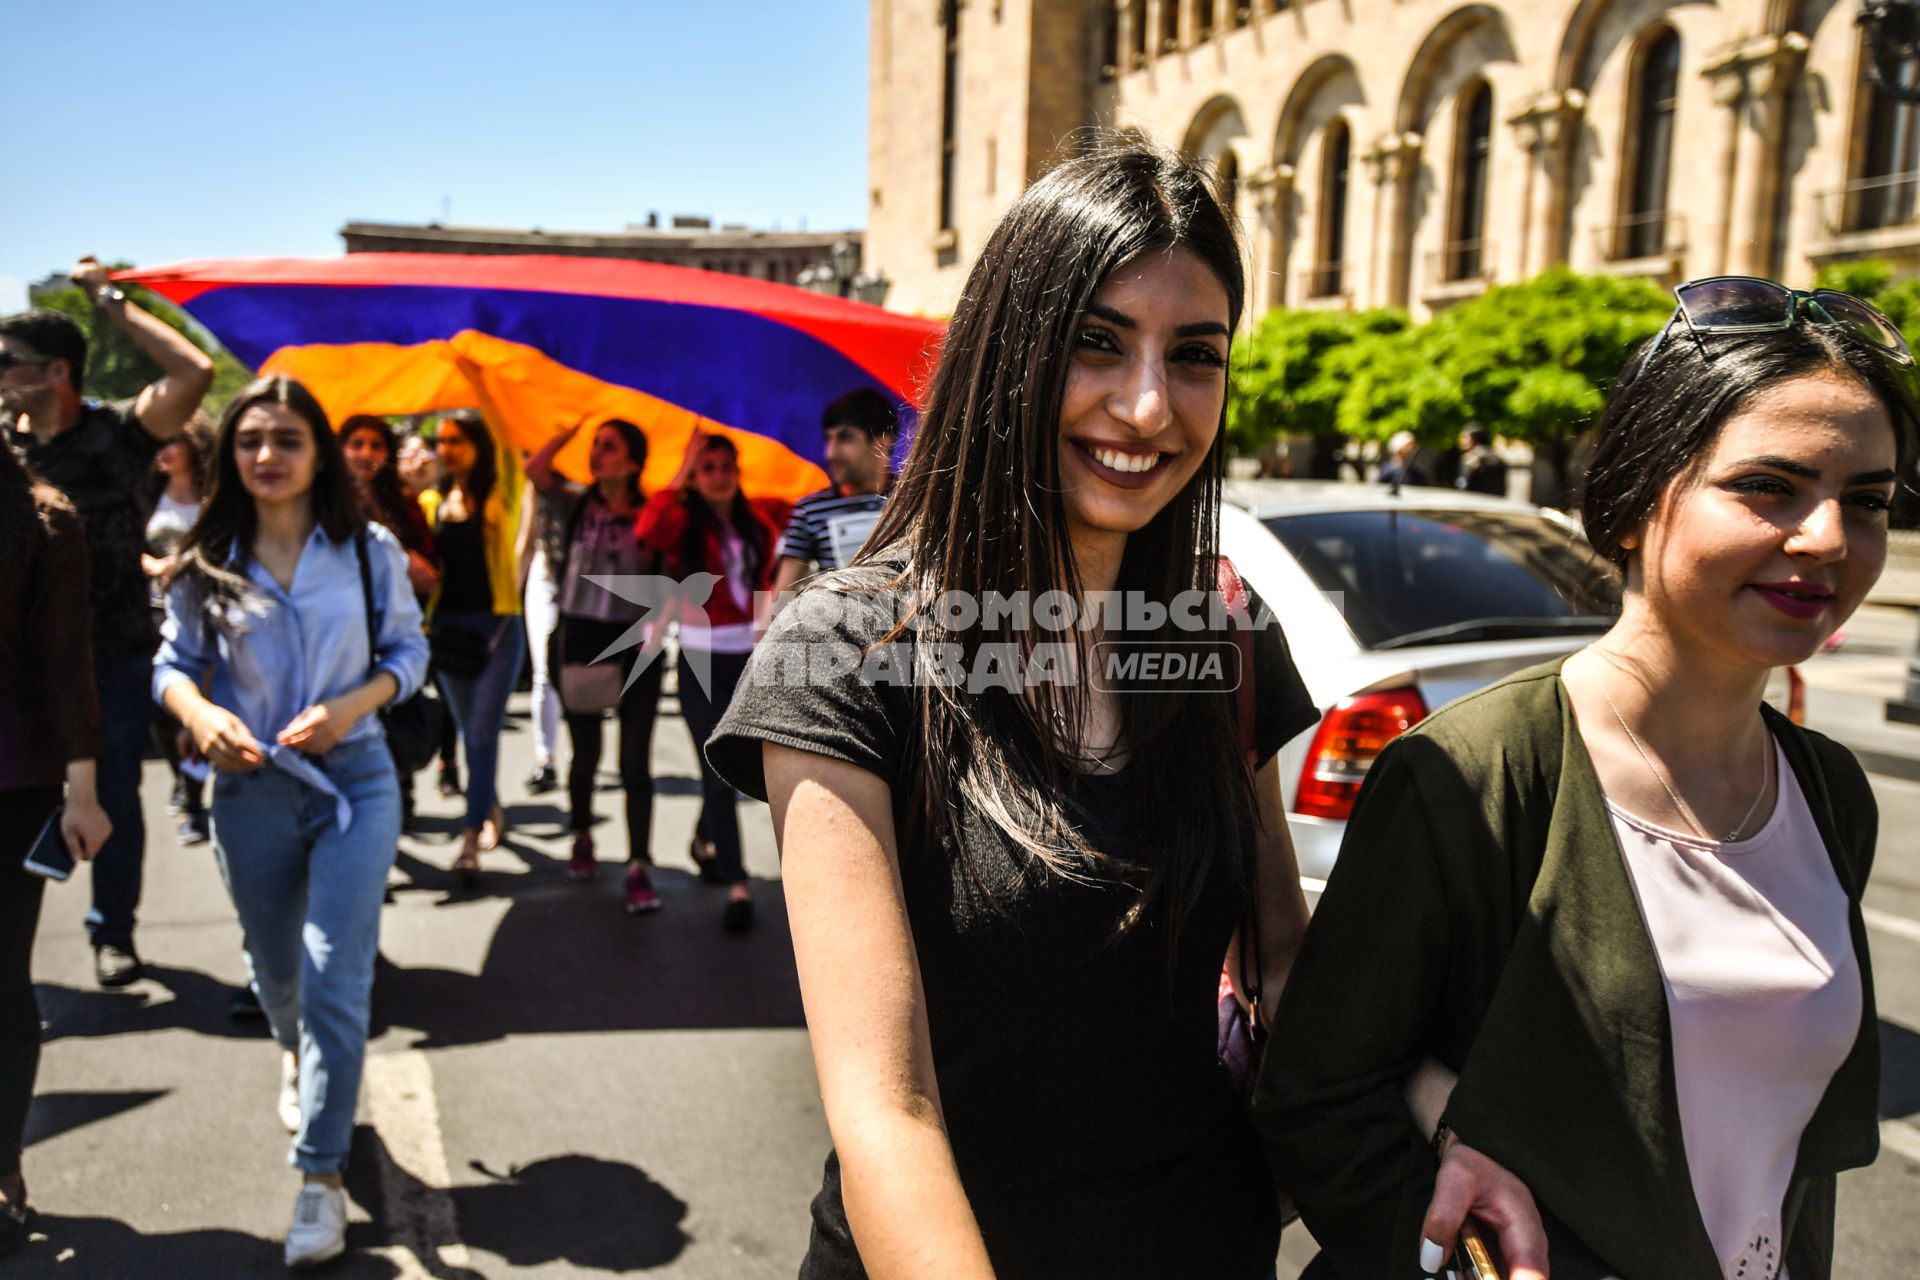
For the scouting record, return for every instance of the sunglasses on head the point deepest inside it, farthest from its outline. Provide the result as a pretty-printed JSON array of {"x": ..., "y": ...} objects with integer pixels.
[
  {"x": 8, "y": 360},
  {"x": 1748, "y": 304}
]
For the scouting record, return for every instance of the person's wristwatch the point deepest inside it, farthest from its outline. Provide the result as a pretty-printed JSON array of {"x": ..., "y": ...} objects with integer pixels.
[{"x": 110, "y": 297}]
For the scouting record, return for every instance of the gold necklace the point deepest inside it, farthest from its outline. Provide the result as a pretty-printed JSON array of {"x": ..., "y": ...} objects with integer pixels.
[{"x": 1766, "y": 756}]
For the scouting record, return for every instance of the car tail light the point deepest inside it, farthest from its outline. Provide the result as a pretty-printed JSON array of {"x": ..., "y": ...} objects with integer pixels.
[{"x": 1344, "y": 747}]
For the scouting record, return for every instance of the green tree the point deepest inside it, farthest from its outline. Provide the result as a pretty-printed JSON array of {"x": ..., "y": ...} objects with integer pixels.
[
  {"x": 1289, "y": 375},
  {"x": 117, "y": 369},
  {"x": 1530, "y": 361}
]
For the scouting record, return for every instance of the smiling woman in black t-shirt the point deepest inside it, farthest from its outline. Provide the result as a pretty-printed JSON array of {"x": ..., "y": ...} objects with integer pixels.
[{"x": 1012, "y": 889}]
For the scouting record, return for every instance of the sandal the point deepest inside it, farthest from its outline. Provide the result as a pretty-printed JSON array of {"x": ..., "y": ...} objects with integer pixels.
[{"x": 493, "y": 829}]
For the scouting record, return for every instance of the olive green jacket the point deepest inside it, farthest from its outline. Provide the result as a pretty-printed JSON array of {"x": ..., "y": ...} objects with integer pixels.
[{"x": 1480, "y": 911}]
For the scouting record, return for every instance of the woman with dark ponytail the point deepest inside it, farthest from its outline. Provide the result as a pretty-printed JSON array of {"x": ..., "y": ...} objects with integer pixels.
[
  {"x": 703, "y": 523},
  {"x": 599, "y": 539}
]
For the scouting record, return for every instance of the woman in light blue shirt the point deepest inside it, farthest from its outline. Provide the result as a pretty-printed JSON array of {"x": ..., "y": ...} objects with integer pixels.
[{"x": 268, "y": 613}]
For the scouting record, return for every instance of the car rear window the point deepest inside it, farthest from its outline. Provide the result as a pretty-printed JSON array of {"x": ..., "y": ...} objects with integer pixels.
[{"x": 1435, "y": 577}]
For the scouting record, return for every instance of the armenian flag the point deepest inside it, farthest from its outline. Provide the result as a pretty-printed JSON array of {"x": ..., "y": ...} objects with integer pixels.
[{"x": 538, "y": 344}]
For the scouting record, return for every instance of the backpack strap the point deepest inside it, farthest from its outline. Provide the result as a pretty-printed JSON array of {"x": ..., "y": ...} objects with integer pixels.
[{"x": 366, "y": 594}]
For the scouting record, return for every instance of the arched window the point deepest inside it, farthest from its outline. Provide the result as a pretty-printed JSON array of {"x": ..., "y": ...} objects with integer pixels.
[
  {"x": 1169, "y": 25},
  {"x": 1656, "y": 85},
  {"x": 1336, "y": 155},
  {"x": 1472, "y": 150},
  {"x": 1227, "y": 177},
  {"x": 1885, "y": 188},
  {"x": 949, "y": 109}
]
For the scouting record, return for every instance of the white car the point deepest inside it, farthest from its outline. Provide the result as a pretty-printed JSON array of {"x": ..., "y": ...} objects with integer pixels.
[{"x": 1395, "y": 603}]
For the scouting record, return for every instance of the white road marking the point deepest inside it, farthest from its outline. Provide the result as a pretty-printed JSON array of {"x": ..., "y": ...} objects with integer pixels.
[
  {"x": 1901, "y": 1137},
  {"x": 423, "y": 1232},
  {"x": 1310, "y": 885},
  {"x": 1887, "y": 922}
]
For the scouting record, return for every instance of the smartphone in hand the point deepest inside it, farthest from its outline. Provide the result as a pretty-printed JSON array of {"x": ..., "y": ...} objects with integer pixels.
[
  {"x": 49, "y": 856},
  {"x": 1473, "y": 1257}
]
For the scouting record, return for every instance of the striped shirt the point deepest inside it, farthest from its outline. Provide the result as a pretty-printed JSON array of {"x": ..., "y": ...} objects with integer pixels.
[{"x": 828, "y": 527}]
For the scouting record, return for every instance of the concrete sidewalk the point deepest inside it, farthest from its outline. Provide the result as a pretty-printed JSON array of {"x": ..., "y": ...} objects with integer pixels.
[{"x": 1847, "y": 690}]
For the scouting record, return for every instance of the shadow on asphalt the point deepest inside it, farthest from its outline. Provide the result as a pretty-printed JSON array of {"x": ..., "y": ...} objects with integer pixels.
[
  {"x": 1899, "y": 1071},
  {"x": 52, "y": 1114},
  {"x": 62, "y": 1247},
  {"x": 602, "y": 1215},
  {"x": 567, "y": 958},
  {"x": 194, "y": 1000}
]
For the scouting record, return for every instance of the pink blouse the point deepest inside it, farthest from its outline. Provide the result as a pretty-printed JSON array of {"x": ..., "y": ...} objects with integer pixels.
[{"x": 1763, "y": 994}]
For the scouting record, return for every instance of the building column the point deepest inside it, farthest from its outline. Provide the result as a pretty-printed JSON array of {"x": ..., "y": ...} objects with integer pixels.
[
  {"x": 1546, "y": 127},
  {"x": 1130, "y": 16},
  {"x": 1751, "y": 82},
  {"x": 1271, "y": 190},
  {"x": 1391, "y": 165}
]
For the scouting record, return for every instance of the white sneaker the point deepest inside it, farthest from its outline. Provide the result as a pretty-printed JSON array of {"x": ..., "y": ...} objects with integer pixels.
[
  {"x": 290, "y": 1092},
  {"x": 319, "y": 1230}
]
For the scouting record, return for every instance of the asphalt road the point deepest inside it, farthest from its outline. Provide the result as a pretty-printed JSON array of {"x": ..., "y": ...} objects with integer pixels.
[{"x": 558, "y": 1090}]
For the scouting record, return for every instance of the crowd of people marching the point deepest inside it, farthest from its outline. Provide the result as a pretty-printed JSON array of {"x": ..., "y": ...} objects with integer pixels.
[
  {"x": 1590, "y": 974},
  {"x": 299, "y": 617}
]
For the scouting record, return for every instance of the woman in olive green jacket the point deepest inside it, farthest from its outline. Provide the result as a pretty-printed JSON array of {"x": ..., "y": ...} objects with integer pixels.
[{"x": 1566, "y": 888}]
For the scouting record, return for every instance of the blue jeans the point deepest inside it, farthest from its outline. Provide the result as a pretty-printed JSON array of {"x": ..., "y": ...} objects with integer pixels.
[
  {"x": 125, "y": 686},
  {"x": 308, "y": 895},
  {"x": 479, "y": 704}
]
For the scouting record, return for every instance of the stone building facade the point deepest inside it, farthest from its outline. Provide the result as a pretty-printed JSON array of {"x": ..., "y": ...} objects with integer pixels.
[
  {"x": 1408, "y": 152},
  {"x": 686, "y": 241}
]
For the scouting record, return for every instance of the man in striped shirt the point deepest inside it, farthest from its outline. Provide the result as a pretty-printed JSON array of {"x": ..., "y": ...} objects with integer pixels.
[{"x": 828, "y": 527}]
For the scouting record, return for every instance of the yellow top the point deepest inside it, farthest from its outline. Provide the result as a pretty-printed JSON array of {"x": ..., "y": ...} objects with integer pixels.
[{"x": 501, "y": 531}]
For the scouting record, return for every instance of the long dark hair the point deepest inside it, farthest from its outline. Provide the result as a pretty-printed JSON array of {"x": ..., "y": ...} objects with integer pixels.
[
  {"x": 1665, "y": 417},
  {"x": 636, "y": 441},
  {"x": 383, "y": 500},
  {"x": 214, "y": 554},
  {"x": 197, "y": 436},
  {"x": 977, "y": 509},
  {"x": 486, "y": 467},
  {"x": 752, "y": 530}
]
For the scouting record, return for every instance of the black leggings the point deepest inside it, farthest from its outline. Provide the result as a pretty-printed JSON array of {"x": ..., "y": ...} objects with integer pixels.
[
  {"x": 719, "y": 819},
  {"x": 637, "y": 709},
  {"x": 22, "y": 813}
]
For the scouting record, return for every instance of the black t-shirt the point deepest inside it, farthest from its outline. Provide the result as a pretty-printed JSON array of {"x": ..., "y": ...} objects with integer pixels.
[
  {"x": 1095, "y": 1131},
  {"x": 104, "y": 464},
  {"x": 465, "y": 586}
]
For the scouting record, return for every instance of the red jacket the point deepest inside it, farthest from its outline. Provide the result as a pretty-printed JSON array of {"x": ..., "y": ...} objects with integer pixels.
[{"x": 662, "y": 527}]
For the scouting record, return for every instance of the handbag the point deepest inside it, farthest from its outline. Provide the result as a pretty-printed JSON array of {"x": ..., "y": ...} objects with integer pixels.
[
  {"x": 590, "y": 688},
  {"x": 585, "y": 688},
  {"x": 1242, "y": 1040},
  {"x": 413, "y": 726}
]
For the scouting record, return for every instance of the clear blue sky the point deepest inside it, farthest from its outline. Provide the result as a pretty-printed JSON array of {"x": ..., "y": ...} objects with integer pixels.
[{"x": 156, "y": 132}]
